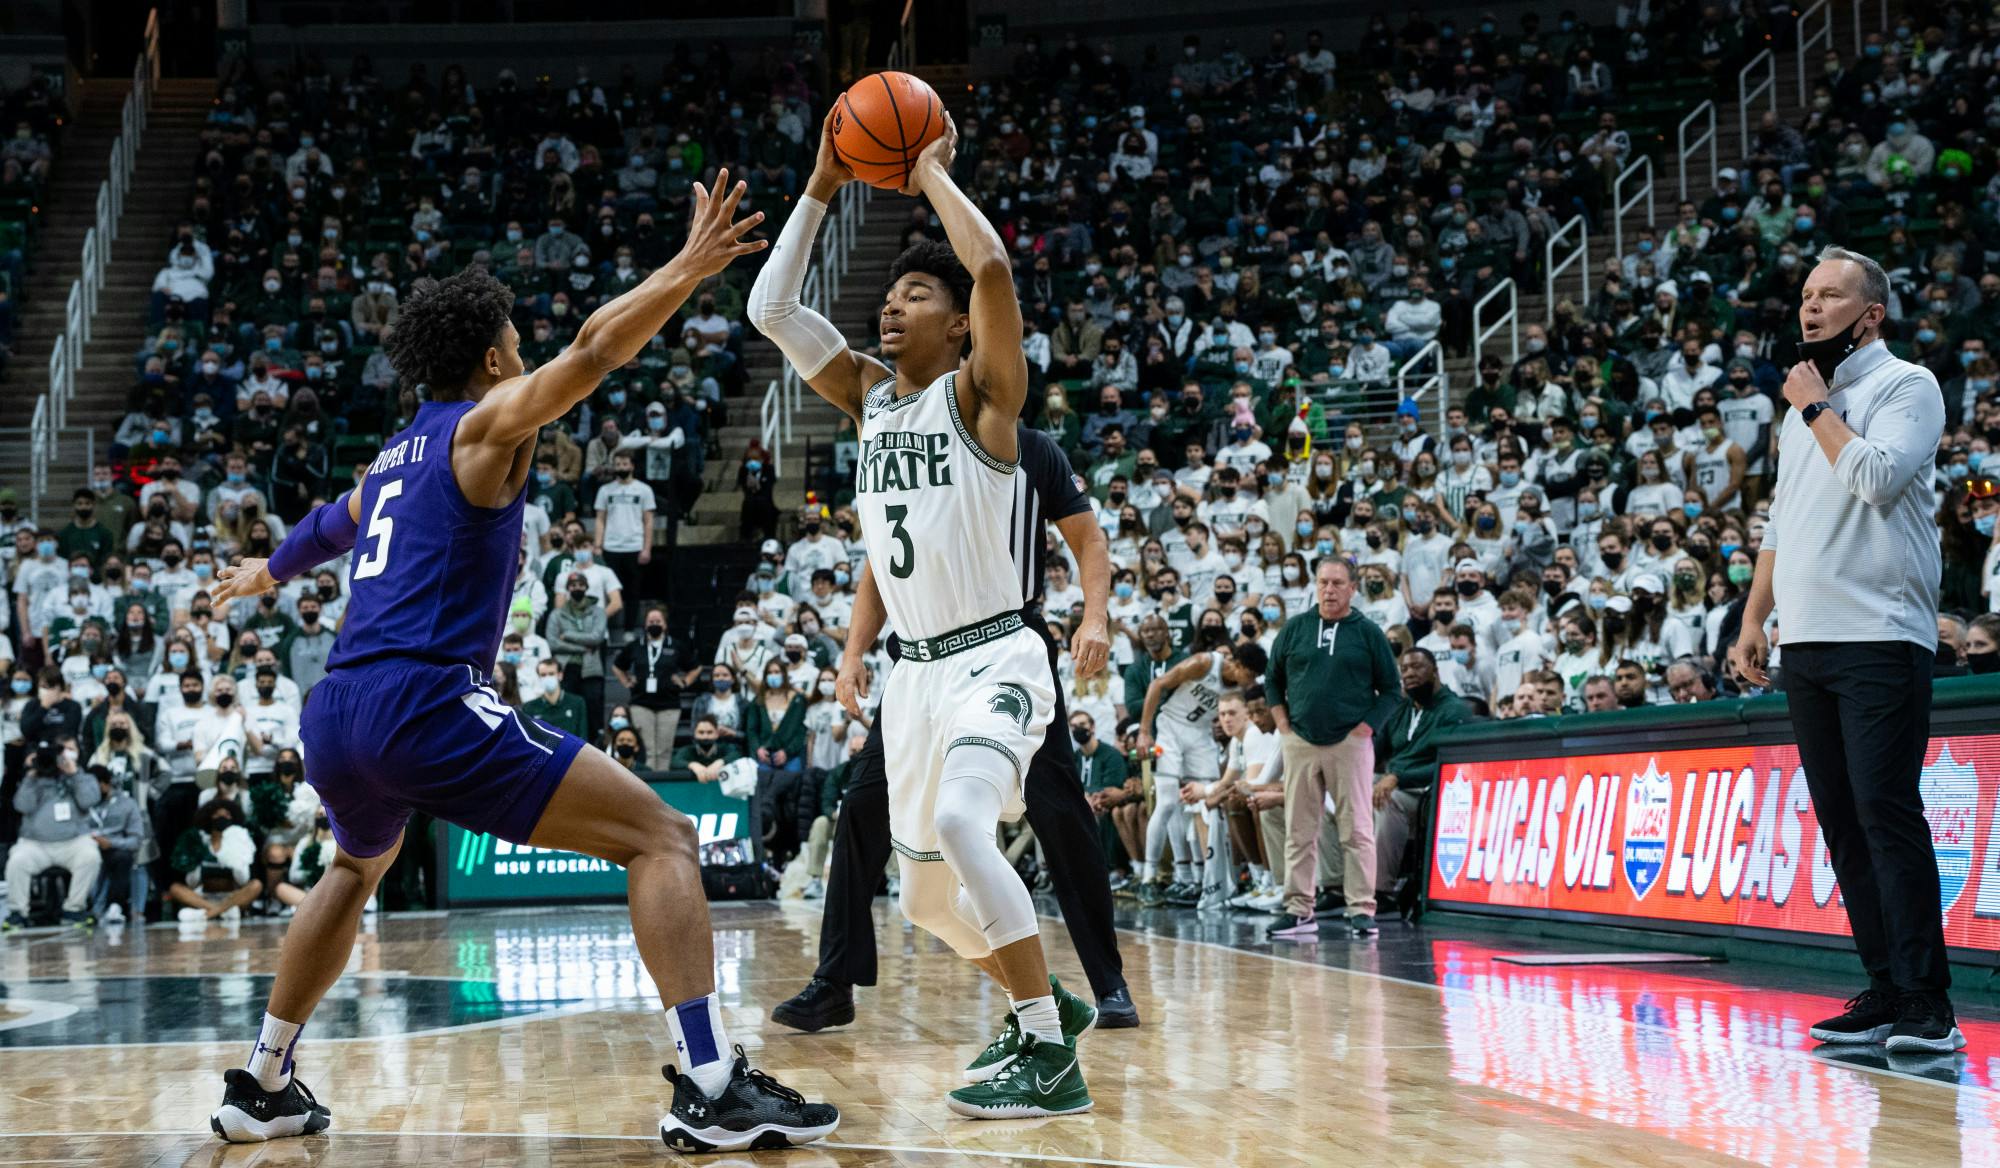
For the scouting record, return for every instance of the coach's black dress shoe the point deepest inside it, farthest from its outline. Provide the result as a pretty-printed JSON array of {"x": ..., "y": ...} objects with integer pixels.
[
  {"x": 1115, "y": 1010},
  {"x": 821, "y": 1004}
]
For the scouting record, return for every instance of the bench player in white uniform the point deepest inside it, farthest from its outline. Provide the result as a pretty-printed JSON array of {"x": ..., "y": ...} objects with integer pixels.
[
  {"x": 1179, "y": 714},
  {"x": 1719, "y": 465},
  {"x": 934, "y": 489}
]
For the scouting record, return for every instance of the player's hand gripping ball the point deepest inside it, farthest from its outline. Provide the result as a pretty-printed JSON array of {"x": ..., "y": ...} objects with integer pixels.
[{"x": 881, "y": 125}]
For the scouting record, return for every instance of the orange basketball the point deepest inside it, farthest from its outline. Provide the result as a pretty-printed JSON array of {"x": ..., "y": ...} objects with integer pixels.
[{"x": 882, "y": 123}]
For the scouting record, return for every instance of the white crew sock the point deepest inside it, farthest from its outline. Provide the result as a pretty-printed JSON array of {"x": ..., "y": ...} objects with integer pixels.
[
  {"x": 1038, "y": 1017},
  {"x": 1148, "y": 871},
  {"x": 1184, "y": 871},
  {"x": 271, "y": 1059},
  {"x": 701, "y": 1046},
  {"x": 1259, "y": 877}
]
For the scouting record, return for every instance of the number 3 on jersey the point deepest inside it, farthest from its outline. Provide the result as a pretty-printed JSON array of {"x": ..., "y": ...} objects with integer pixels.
[
  {"x": 380, "y": 528},
  {"x": 905, "y": 560}
]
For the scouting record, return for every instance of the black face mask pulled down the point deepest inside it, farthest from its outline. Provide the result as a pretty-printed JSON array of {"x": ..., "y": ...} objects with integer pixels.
[
  {"x": 1828, "y": 352},
  {"x": 1983, "y": 662}
]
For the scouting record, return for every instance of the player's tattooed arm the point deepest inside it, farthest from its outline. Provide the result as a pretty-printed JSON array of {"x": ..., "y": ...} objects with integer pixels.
[{"x": 618, "y": 330}]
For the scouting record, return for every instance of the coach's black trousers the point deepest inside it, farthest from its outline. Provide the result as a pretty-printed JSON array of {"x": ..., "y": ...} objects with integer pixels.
[
  {"x": 1056, "y": 811},
  {"x": 1862, "y": 713}
]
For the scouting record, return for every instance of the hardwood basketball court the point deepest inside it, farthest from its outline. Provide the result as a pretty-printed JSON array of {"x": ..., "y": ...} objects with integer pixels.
[{"x": 529, "y": 1037}]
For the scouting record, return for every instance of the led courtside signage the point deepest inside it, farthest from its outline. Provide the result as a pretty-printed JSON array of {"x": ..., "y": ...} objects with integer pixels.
[{"x": 1707, "y": 837}]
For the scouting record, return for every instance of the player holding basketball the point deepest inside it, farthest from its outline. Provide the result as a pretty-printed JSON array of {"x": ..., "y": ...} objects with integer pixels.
[
  {"x": 935, "y": 491},
  {"x": 405, "y": 719}
]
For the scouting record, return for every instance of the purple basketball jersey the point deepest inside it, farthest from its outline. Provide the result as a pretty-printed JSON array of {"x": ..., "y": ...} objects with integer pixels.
[{"x": 432, "y": 575}]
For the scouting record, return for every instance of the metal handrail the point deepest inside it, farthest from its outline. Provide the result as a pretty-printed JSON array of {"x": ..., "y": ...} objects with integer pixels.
[
  {"x": 1684, "y": 148},
  {"x": 1805, "y": 42},
  {"x": 41, "y": 446},
  {"x": 80, "y": 309},
  {"x": 770, "y": 425},
  {"x": 1620, "y": 204},
  {"x": 1745, "y": 94},
  {"x": 1884, "y": 5},
  {"x": 1436, "y": 379},
  {"x": 1511, "y": 320},
  {"x": 1552, "y": 269}
]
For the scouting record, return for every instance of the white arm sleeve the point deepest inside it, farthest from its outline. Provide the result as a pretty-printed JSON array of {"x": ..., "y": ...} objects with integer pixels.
[{"x": 807, "y": 339}]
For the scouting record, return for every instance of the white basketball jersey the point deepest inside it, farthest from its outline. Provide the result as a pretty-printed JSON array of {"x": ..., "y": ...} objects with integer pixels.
[
  {"x": 1711, "y": 474},
  {"x": 935, "y": 512},
  {"x": 1193, "y": 705}
]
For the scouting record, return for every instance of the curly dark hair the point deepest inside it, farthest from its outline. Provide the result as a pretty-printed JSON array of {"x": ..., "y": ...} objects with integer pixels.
[
  {"x": 444, "y": 328},
  {"x": 934, "y": 258}
]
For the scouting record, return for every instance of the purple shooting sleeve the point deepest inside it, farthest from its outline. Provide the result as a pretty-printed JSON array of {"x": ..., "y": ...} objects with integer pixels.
[{"x": 328, "y": 531}]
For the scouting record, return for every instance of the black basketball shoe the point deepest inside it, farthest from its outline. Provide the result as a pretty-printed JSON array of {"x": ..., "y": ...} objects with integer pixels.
[
  {"x": 1116, "y": 1011},
  {"x": 1925, "y": 1024},
  {"x": 250, "y": 1115},
  {"x": 821, "y": 1004},
  {"x": 1867, "y": 1019},
  {"x": 754, "y": 1113}
]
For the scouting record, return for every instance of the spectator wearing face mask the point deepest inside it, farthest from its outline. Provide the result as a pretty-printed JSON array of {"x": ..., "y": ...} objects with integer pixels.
[
  {"x": 211, "y": 863},
  {"x": 1515, "y": 645},
  {"x": 53, "y": 799},
  {"x": 704, "y": 758},
  {"x": 553, "y": 705},
  {"x": 625, "y": 509},
  {"x": 35, "y": 579},
  {"x": 577, "y": 635},
  {"x": 745, "y": 646},
  {"x": 275, "y": 719},
  {"x": 306, "y": 653},
  {"x": 813, "y": 551},
  {"x": 53, "y": 715},
  {"x": 651, "y": 668}
]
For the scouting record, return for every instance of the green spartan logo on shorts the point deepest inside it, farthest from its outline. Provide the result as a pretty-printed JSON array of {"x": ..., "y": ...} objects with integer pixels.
[{"x": 1012, "y": 701}]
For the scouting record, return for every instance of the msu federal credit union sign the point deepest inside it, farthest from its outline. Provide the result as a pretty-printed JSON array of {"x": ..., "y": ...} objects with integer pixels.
[
  {"x": 474, "y": 867},
  {"x": 1699, "y": 838}
]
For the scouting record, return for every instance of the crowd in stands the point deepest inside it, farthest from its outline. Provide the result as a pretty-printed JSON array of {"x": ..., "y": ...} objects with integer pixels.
[
  {"x": 319, "y": 198},
  {"x": 32, "y": 118},
  {"x": 1222, "y": 257}
]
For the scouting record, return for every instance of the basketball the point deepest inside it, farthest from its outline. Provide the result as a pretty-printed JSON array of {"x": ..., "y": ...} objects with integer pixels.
[{"x": 882, "y": 123}]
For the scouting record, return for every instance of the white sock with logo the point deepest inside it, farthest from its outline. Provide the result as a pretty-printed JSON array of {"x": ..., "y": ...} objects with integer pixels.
[
  {"x": 271, "y": 1059},
  {"x": 1038, "y": 1017},
  {"x": 701, "y": 1046}
]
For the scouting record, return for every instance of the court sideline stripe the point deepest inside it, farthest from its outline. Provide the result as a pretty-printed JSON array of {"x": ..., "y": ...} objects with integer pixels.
[
  {"x": 581, "y": 1007},
  {"x": 974, "y": 1153},
  {"x": 1776, "y": 1051}
]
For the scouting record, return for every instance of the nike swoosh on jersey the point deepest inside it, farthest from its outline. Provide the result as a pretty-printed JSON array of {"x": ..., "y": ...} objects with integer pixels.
[{"x": 982, "y": 669}]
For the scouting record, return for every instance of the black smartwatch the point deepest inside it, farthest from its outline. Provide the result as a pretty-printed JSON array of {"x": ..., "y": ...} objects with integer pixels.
[{"x": 1811, "y": 413}]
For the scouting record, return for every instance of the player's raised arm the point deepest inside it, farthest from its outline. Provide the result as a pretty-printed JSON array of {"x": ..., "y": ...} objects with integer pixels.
[
  {"x": 997, "y": 369},
  {"x": 808, "y": 340},
  {"x": 618, "y": 330}
]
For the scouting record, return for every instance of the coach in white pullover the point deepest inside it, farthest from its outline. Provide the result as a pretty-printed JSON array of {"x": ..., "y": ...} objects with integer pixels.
[{"x": 1851, "y": 559}]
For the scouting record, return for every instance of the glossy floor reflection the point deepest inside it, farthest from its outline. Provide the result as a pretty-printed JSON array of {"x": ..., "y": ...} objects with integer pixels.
[{"x": 529, "y": 1037}]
